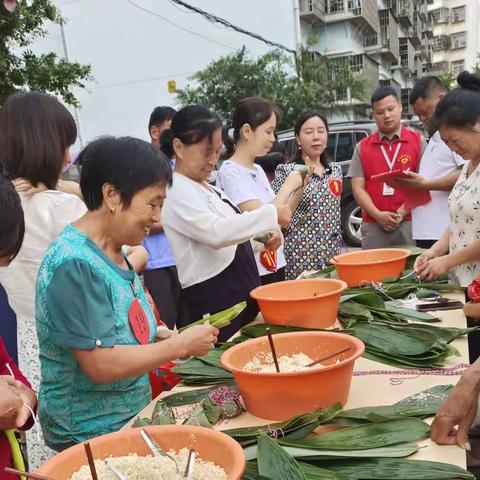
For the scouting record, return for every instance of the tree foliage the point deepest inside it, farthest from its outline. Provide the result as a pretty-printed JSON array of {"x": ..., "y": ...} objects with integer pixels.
[
  {"x": 20, "y": 68},
  {"x": 313, "y": 82}
]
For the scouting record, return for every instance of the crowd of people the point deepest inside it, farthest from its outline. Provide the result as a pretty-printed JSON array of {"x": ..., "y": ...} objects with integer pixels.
[{"x": 73, "y": 256}]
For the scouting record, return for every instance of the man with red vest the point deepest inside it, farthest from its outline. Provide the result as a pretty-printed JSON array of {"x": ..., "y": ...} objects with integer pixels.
[{"x": 386, "y": 222}]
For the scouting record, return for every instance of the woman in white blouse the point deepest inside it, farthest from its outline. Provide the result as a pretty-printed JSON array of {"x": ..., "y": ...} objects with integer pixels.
[
  {"x": 254, "y": 121},
  {"x": 209, "y": 236},
  {"x": 36, "y": 132}
]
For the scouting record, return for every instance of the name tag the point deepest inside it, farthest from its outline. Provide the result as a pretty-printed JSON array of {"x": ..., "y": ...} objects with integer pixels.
[{"x": 388, "y": 191}]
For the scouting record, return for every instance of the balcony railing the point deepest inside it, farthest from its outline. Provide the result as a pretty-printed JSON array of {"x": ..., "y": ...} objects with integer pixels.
[
  {"x": 361, "y": 66},
  {"x": 407, "y": 56},
  {"x": 386, "y": 41},
  {"x": 363, "y": 12},
  {"x": 312, "y": 10},
  {"x": 403, "y": 9}
]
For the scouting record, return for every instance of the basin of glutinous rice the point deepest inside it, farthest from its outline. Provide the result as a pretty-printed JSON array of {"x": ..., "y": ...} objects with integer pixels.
[
  {"x": 263, "y": 362},
  {"x": 134, "y": 467}
]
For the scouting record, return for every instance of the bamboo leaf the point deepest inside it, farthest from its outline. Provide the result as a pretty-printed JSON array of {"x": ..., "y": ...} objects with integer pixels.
[
  {"x": 394, "y": 451},
  {"x": 421, "y": 404},
  {"x": 398, "y": 469},
  {"x": 276, "y": 463},
  {"x": 372, "y": 435}
]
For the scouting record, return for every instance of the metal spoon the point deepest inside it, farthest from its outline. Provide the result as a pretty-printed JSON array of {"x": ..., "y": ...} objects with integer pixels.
[{"x": 156, "y": 450}]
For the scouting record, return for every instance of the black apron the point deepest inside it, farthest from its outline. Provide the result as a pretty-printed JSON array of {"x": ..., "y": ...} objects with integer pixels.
[{"x": 229, "y": 287}]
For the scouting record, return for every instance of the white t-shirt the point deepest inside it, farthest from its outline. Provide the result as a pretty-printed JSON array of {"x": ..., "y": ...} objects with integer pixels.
[
  {"x": 204, "y": 230},
  {"x": 242, "y": 184},
  {"x": 429, "y": 221}
]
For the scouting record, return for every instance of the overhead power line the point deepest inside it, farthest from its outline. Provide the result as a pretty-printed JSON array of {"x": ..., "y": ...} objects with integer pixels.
[
  {"x": 214, "y": 19},
  {"x": 155, "y": 14}
]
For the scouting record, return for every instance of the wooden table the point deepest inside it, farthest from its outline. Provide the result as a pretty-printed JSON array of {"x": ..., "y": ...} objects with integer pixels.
[{"x": 377, "y": 384}]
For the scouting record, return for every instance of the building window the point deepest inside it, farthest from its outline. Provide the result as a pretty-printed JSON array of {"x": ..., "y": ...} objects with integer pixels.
[
  {"x": 459, "y": 40},
  {"x": 458, "y": 14},
  {"x": 356, "y": 63},
  {"x": 405, "y": 98},
  {"x": 440, "y": 15},
  {"x": 404, "y": 57},
  {"x": 336, "y": 6},
  {"x": 441, "y": 42},
  {"x": 458, "y": 66}
]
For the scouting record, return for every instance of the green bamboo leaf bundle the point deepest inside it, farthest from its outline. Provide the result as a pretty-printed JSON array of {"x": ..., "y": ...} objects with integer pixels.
[
  {"x": 220, "y": 319},
  {"x": 372, "y": 435},
  {"x": 422, "y": 404},
  {"x": 297, "y": 427},
  {"x": 275, "y": 463},
  {"x": 189, "y": 397},
  {"x": 201, "y": 371},
  {"x": 399, "y": 450},
  {"x": 388, "y": 468}
]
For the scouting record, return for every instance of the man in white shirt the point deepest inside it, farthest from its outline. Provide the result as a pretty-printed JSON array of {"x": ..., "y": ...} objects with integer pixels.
[{"x": 439, "y": 168}]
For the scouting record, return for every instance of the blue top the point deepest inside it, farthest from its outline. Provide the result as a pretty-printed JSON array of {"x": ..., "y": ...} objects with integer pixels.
[
  {"x": 82, "y": 301},
  {"x": 159, "y": 252}
]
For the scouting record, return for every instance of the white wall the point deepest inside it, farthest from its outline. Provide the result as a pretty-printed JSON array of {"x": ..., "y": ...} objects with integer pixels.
[{"x": 134, "y": 53}]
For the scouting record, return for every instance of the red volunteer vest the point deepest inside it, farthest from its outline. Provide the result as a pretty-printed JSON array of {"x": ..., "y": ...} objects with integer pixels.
[{"x": 374, "y": 163}]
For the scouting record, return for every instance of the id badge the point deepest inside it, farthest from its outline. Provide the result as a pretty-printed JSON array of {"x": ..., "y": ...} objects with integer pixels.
[
  {"x": 388, "y": 191},
  {"x": 139, "y": 322}
]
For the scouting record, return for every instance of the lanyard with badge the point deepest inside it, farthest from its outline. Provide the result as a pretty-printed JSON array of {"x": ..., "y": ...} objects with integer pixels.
[
  {"x": 388, "y": 191},
  {"x": 137, "y": 318}
]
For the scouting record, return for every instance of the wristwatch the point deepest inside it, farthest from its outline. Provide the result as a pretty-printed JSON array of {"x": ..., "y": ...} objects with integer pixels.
[{"x": 400, "y": 217}]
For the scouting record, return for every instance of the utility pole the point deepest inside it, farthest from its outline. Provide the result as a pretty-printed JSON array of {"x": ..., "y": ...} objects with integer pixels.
[{"x": 75, "y": 111}]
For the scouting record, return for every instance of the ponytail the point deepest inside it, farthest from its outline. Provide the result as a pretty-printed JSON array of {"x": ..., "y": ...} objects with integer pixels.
[{"x": 228, "y": 142}]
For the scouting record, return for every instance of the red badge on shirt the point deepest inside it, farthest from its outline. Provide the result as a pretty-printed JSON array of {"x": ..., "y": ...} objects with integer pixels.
[
  {"x": 335, "y": 186},
  {"x": 139, "y": 322},
  {"x": 268, "y": 258}
]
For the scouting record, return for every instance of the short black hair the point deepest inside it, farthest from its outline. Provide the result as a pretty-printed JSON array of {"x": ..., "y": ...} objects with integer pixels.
[
  {"x": 160, "y": 115},
  {"x": 12, "y": 221},
  {"x": 129, "y": 164},
  {"x": 35, "y": 131},
  {"x": 425, "y": 87},
  {"x": 382, "y": 92},
  {"x": 460, "y": 108},
  {"x": 190, "y": 125}
]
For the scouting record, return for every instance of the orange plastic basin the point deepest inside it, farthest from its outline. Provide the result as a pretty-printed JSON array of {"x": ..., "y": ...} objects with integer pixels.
[
  {"x": 310, "y": 303},
  {"x": 279, "y": 396},
  {"x": 210, "y": 445},
  {"x": 370, "y": 265}
]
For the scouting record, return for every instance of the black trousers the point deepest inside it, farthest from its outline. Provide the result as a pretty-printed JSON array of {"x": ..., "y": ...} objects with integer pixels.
[
  {"x": 278, "y": 276},
  {"x": 226, "y": 289},
  {"x": 164, "y": 287},
  {"x": 473, "y": 338},
  {"x": 425, "y": 243}
]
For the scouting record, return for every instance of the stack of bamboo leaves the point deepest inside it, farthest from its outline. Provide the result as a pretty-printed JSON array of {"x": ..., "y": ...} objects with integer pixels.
[{"x": 374, "y": 449}]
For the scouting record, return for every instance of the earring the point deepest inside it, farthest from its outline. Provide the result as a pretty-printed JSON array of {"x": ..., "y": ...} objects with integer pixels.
[
  {"x": 299, "y": 147},
  {"x": 112, "y": 210}
]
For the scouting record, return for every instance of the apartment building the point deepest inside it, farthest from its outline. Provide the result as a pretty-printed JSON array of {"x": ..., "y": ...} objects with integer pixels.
[
  {"x": 456, "y": 39},
  {"x": 386, "y": 42}
]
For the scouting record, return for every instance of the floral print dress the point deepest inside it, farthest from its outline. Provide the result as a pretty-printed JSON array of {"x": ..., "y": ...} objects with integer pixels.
[
  {"x": 464, "y": 209},
  {"x": 314, "y": 234}
]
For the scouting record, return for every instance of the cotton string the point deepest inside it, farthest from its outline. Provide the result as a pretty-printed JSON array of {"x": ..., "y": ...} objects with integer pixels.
[{"x": 34, "y": 417}]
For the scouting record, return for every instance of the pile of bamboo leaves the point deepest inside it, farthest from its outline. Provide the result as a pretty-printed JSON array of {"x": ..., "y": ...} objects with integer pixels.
[{"x": 376, "y": 448}]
